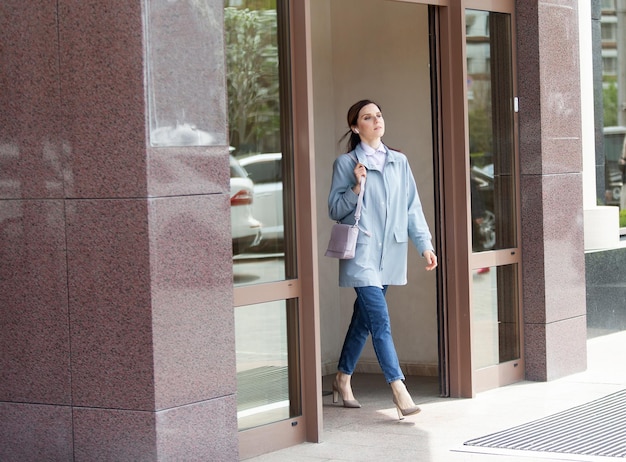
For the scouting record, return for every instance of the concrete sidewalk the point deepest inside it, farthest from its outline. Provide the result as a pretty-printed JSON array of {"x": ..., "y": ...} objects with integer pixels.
[{"x": 437, "y": 434}]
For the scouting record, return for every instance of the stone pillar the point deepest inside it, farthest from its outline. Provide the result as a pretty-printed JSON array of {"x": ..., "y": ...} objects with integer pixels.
[
  {"x": 117, "y": 326},
  {"x": 551, "y": 188}
]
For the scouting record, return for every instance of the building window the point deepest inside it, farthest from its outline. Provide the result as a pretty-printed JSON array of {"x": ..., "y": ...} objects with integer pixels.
[
  {"x": 609, "y": 65},
  {"x": 609, "y": 31},
  {"x": 608, "y": 5}
]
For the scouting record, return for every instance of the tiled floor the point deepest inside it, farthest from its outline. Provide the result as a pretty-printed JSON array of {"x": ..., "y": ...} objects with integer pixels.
[{"x": 374, "y": 433}]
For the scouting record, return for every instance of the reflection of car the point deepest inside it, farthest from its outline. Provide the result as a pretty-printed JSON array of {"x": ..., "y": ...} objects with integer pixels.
[
  {"x": 482, "y": 185},
  {"x": 246, "y": 230},
  {"x": 265, "y": 171},
  {"x": 613, "y": 142}
]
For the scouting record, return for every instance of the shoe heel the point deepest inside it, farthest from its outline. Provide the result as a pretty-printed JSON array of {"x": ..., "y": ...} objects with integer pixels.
[
  {"x": 352, "y": 403},
  {"x": 401, "y": 397}
]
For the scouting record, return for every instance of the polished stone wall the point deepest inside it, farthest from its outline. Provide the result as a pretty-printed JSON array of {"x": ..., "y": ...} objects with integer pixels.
[
  {"x": 551, "y": 188},
  {"x": 117, "y": 330}
]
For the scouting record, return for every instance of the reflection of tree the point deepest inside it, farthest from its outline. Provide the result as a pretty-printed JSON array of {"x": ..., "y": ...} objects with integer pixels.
[
  {"x": 609, "y": 102},
  {"x": 479, "y": 118},
  {"x": 252, "y": 77},
  {"x": 481, "y": 132}
]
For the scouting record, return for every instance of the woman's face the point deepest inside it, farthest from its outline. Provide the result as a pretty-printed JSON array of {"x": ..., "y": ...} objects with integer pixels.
[{"x": 370, "y": 124}]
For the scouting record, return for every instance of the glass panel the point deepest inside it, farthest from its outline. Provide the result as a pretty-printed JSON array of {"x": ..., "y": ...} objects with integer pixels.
[
  {"x": 495, "y": 316},
  {"x": 491, "y": 137},
  {"x": 260, "y": 134},
  {"x": 267, "y": 372},
  {"x": 613, "y": 30}
]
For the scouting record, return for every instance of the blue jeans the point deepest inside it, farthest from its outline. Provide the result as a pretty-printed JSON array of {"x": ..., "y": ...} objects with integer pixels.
[{"x": 370, "y": 316}]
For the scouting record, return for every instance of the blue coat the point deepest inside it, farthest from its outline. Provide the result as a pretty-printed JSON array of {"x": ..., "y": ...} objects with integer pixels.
[{"x": 391, "y": 212}]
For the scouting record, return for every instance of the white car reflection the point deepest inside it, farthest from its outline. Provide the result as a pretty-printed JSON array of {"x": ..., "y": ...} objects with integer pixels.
[
  {"x": 246, "y": 230},
  {"x": 265, "y": 171}
]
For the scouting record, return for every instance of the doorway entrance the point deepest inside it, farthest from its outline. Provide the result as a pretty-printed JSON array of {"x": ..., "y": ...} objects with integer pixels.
[
  {"x": 378, "y": 50},
  {"x": 445, "y": 78}
]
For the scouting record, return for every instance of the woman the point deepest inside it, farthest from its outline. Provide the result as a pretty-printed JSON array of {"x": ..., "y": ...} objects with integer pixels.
[{"x": 390, "y": 215}]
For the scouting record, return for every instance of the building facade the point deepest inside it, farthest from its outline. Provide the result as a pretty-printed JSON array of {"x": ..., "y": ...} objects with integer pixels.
[{"x": 134, "y": 327}]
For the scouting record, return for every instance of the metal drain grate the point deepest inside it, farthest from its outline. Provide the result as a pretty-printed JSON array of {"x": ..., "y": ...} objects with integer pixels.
[{"x": 597, "y": 428}]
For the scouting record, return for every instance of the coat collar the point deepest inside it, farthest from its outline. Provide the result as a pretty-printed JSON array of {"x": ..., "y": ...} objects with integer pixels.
[{"x": 359, "y": 152}]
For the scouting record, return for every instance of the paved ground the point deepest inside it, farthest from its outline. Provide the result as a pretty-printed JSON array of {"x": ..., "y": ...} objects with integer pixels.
[{"x": 437, "y": 434}]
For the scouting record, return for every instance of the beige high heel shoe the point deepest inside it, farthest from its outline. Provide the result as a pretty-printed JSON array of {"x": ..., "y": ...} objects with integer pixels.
[
  {"x": 402, "y": 399},
  {"x": 345, "y": 379}
]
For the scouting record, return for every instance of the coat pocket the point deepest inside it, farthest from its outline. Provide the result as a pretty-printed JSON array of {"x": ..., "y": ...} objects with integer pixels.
[{"x": 401, "y": 236}]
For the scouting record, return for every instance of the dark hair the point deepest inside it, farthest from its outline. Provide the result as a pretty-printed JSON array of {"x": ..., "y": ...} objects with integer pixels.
[{"x": 353, "y": 116}]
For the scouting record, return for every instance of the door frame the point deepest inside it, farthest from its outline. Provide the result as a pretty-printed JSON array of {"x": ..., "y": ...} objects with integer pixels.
[
  {"x": 511, "y": 371},
  {"x": 459, "y": 379},
  {"x": 305, "y": 288}
]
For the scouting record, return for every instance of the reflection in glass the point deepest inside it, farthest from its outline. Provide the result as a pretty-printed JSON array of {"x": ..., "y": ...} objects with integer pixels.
[
  {"x": 258, "y": 128},
  {"x": 265, "y": 379},
  {"x": 185, "y": 60},
  {"x": 491, "y": 137},
  {"x": 495, "y": 316},
  {"x": 266, "y": 173},
  {"x": 613, "y": 45},
  {"x": 245, "y": 229}
]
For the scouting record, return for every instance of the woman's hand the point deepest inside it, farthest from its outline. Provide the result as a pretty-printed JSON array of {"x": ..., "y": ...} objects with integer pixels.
[
  {"x": 359, "y": 171},
  {"x": 431, "y": 260}
]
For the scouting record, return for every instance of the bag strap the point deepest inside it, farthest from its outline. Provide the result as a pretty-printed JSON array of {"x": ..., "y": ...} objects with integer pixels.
[{"x": 359, "y": 204}]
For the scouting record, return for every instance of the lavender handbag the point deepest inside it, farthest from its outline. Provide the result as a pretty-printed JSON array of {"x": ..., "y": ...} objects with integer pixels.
[{"x": 343, "y": 237}]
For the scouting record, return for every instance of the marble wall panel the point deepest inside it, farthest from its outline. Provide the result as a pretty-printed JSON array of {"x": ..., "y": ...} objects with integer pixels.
[
  {"x": 110, "y": 303},
  {"x": 203, "y": 431},
  {"x": 178, "y": 171},
  {"x": 528, "y": 85},
  {"x": 103, "y": 101},
  {"x": 560, "y": 86},
  {"x": 564, "y": 257},
  {"x": 193, "y": 318},
  {"x": 30, "y": 150},
  {"x": 556, "y": 349},
  {"x": 35, "y": 432},
  {"x": 114, "y": 435},
  {"x": 34, "y": 332},
  {"x": 186, "y": 96},
  {"x": 549, "y": 87},
  {"x": 553, "y": 242},
  {"x": 566, "y": 344},
  {"x": 185, "y": 73},
  {"x": 535, "y": 359},
  {"x": 533, "y": 265},
  {"x": 200, "y": 431}
]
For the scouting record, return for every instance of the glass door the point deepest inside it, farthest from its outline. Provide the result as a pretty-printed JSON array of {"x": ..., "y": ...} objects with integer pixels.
[
  {"x": 493, "y": 177},
  {"x": 267, "y": 292}
]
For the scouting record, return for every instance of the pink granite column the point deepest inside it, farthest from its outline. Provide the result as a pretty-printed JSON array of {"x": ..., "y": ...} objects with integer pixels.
[
  {"x": 551, "y": 188},
  {"x": 117, "y": 326},
  {"x": 35, "y": 379}
]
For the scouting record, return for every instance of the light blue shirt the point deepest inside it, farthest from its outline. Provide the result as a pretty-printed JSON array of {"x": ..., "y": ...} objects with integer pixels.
[{"x": 391, "y": 213}]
